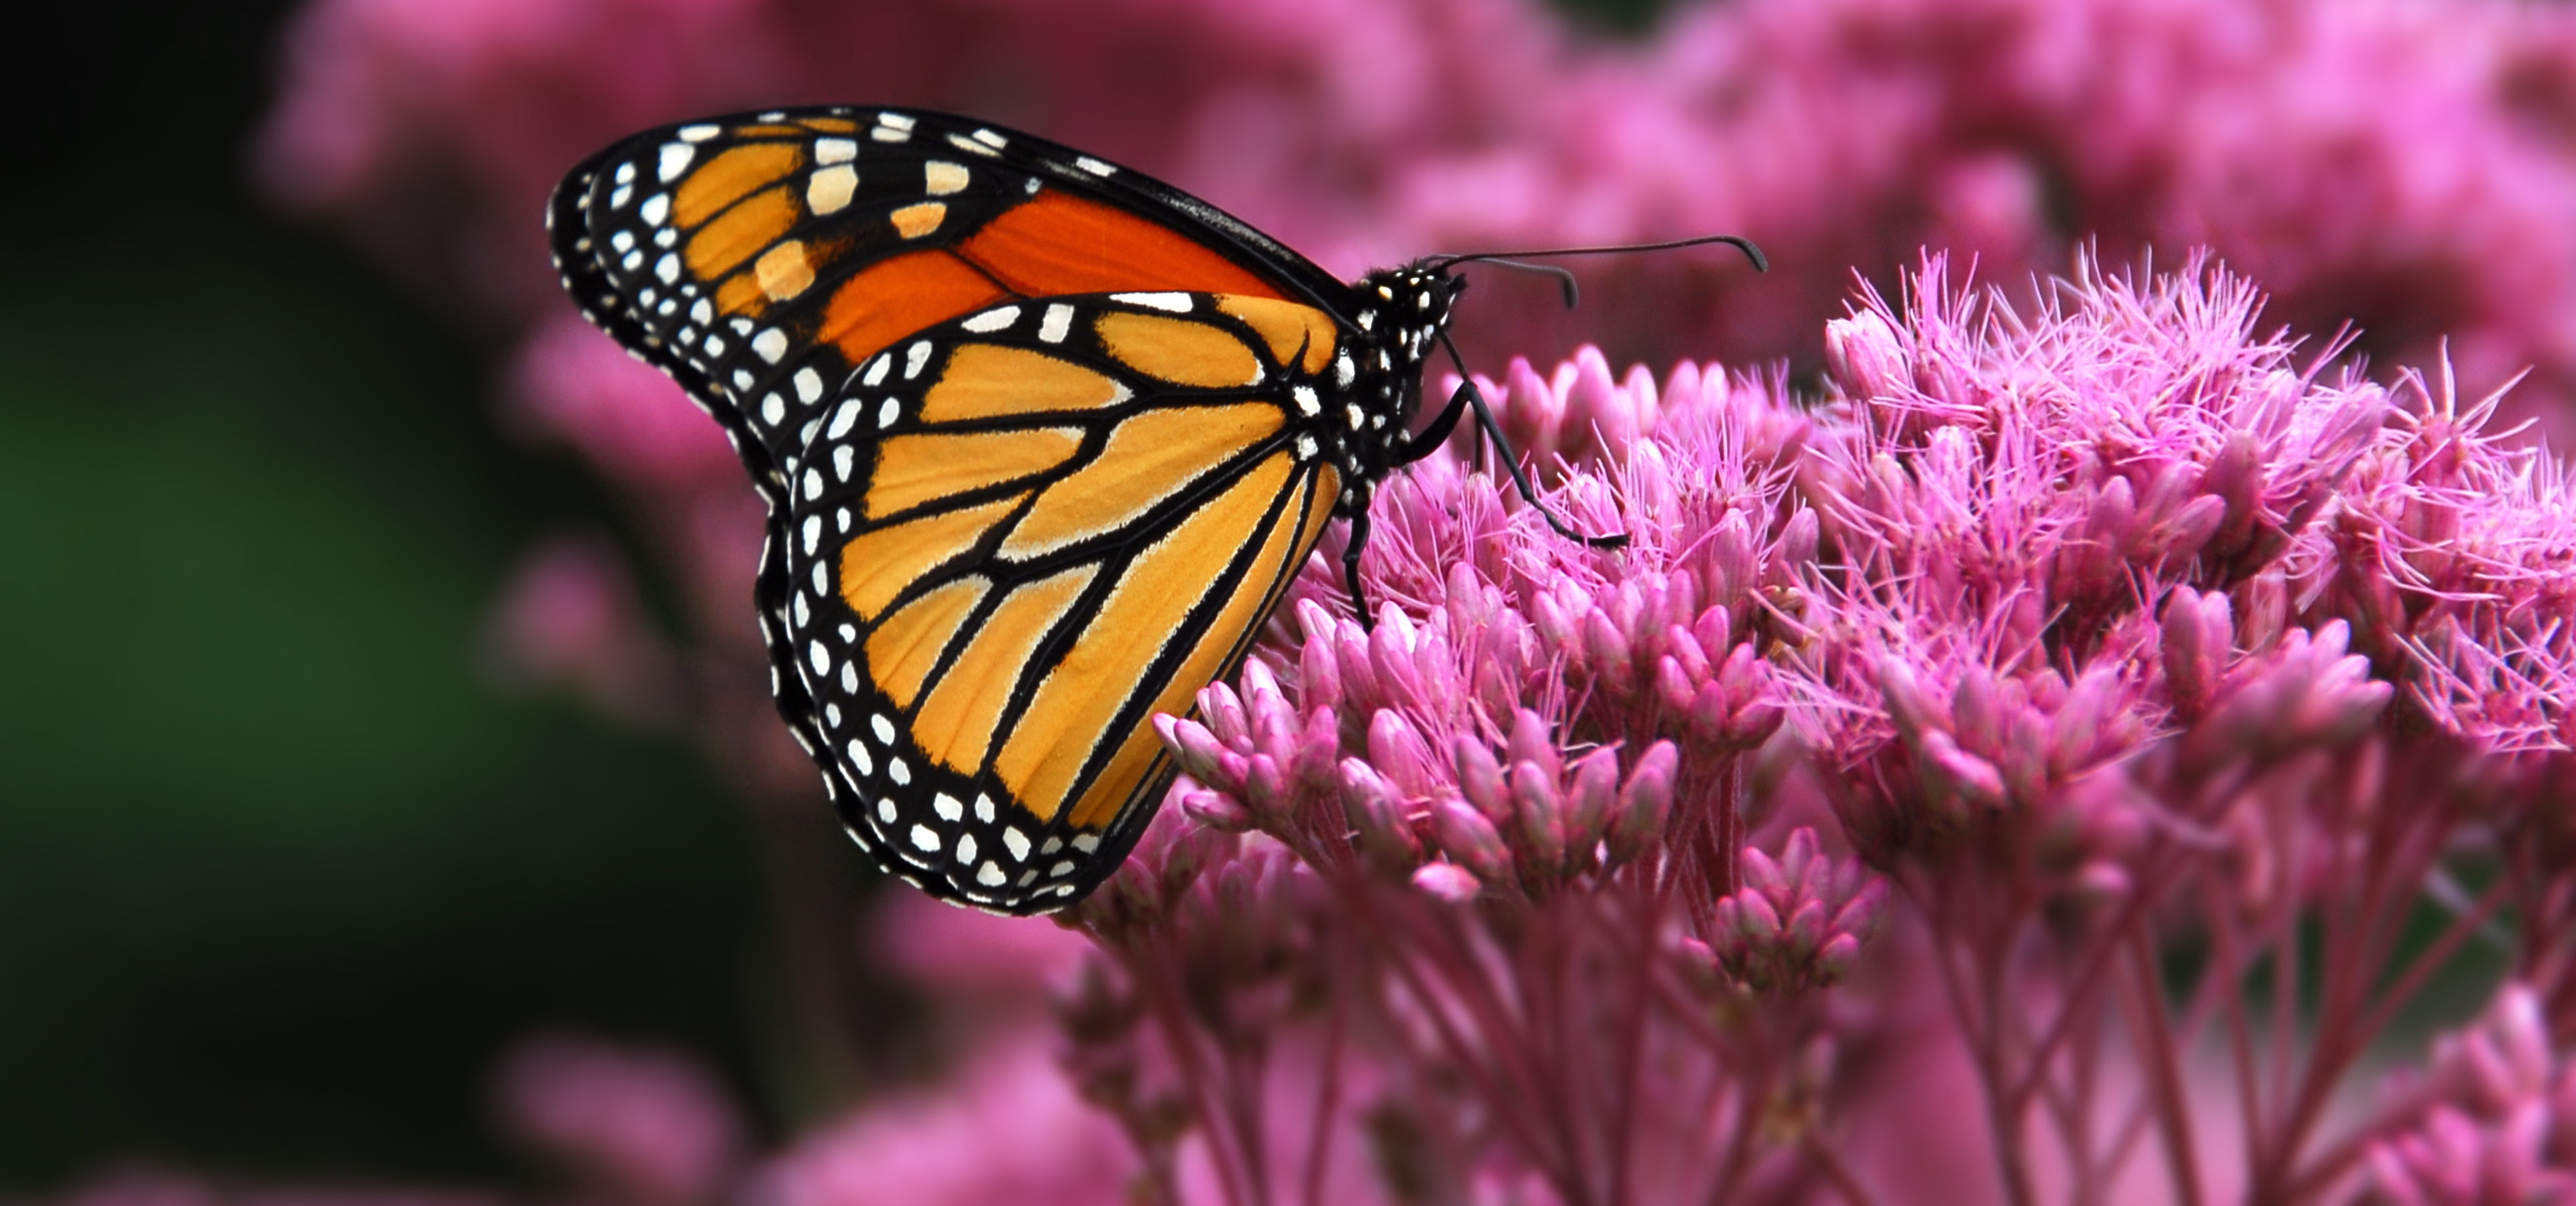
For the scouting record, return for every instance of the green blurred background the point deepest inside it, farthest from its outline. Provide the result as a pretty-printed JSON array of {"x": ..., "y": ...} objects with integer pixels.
[{"x": 281, "y": 871}]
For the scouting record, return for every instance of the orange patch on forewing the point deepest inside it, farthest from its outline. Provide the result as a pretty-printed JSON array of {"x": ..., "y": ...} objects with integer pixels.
[
  {"x": 741, "y": 232},
  {"x": 830, "y": 125},
  {"x": 1178, "y": 350},
  {"x": 956, "y": 722},
  {"x": 731, "y": 176},
  {"x": 1286, "y": 327},
  {"x": 984, "y": 380},
  {"x": 1070, "y": 712},
  {"x": 906, "y": 646},
  {"x": 914, "y": 221},
  {"x": 876, "y": 565},
  {"x": 914, "y": 469},
  {"x": 1056, "y": 242},
  {"x": 1148, "y": 458},
  {"x": 898, "y": 296},
  {"x": 784, "y": 271}
]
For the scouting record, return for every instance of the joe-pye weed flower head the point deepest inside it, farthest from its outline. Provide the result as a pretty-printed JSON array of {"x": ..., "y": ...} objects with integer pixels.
[{"x": 2022, "y": 661}]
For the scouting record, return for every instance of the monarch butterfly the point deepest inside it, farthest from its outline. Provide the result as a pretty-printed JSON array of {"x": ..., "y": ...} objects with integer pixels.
[{"x": 1043, "y": 441}]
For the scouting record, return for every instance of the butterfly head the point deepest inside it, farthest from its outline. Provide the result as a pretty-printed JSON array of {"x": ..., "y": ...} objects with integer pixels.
[{"x": 1401, "y": 316}]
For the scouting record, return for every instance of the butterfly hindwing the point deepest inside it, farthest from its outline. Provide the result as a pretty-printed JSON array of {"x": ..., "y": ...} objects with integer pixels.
[{"x": 1040, "y": 525}]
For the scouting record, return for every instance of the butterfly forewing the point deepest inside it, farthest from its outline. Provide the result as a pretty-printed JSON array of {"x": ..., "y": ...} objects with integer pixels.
[{"x": 1044, "y": 440}]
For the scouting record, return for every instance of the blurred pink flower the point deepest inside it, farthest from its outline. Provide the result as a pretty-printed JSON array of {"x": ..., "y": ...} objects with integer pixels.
[
  {"x": 638, "y": 1125},
  {"x": 1005, "y": 1127},
  {"x": 2503, "y": 1129},
  {"x": 569, "y": 617}
]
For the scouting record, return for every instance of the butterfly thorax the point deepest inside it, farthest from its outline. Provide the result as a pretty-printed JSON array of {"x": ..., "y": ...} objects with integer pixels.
[{"x": 1399, "y": 315}]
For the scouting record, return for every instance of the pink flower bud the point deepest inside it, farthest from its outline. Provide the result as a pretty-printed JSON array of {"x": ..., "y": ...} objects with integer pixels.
[
  {"x": 1972, "y": 780},
  {"x": 1467, "y": 837},
  {"x": 1606, "y": 651},
  {"x": 2185, "y": 532},
  {"x": 1399, "y": 753},
  {"x": 1319, "y": 675},
  {"x": 1265, "y": 788},
  {"x": 1447, "y": 881},
  {"x": 1755, "y": 919},
  {"x": 1975, "y": 711},
  {"x": 1376, "y": 816},
  {"x": 1196, "y": 749},
  {"x": 1908, "y": 706},
  {"x": 2198, "y": 632},
  {"x": 1532, "y": 741},
  {"x": 1587, "y": 815},
  {"x": 1805, "y": 929},
  {"x": 1317, "y": 751},
  {"x": 1865, "y": 358},
  {"x": 1215, "y": 810},
  {"x": 1714, "y": 630},
  {"x": 1538, "y": 829},
  {"x": 1225, "y": 716},
  {"x": 1480, "y": 777},
  {"x": 1644, "y": 804}
]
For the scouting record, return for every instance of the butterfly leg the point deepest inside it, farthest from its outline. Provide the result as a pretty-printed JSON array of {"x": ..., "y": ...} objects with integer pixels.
[
  {"x": 1469, "y": 396},
  {"x": 1351, "y": 570}
]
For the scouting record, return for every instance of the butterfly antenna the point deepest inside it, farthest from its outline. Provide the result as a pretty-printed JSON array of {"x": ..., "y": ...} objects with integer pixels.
[
  {"x": 1564, "y": 276},
  {"x": 1738, "y": 242}
]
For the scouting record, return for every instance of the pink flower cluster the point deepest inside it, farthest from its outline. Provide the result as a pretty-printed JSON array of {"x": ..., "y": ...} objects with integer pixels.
[{"x": 2048, "y": 614}]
